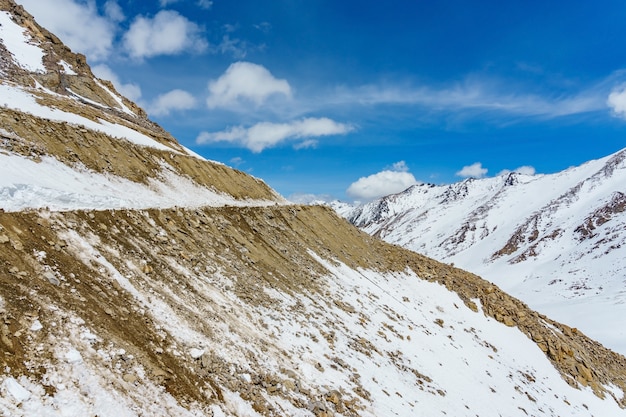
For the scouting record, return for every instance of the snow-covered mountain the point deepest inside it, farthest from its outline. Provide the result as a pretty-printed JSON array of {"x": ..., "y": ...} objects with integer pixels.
[
  {"x": 555, "y": 241},
  {"x": 138, "y": 279}
]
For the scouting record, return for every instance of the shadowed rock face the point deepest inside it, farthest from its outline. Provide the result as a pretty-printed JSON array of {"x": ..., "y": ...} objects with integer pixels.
[{"x": 265, "y": 309}]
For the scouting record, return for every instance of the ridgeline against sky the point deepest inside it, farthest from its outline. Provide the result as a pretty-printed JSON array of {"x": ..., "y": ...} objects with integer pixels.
[{"x": 355, "y": 100}]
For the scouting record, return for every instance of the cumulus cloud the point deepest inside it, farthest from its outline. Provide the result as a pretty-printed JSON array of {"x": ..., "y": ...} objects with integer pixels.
[
  {"x": 524, "y": 170},
  {"x": 245, "y": 82},
  {"x": 389, "y": 181},
  {"x": 400, "y": 166},
  {"x": 129, "y": 90},
  {"x": 113, "y": 11},
  {"x": 77, "y": 24},
  {"x": 266, "y": 135},
  {"x": 167, "y": 33},
  {"x": 475, "y": 170},
  {"x": 617, "y": 101},
  {"x": 173, "y": 100}
]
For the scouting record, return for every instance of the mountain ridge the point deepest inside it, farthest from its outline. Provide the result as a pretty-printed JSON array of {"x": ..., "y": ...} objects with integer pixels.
[
  {"x": 556, "y": 234},
  {"x": 137, "y": 278}
]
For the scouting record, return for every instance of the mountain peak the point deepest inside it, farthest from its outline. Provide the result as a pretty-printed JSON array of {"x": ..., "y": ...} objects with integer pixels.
[
  {"x": 32, "y": 57},
  {"x": 550, "y": 239}
]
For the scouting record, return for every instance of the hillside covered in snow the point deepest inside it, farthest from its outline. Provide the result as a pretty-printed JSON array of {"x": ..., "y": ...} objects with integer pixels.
[
  {"x": 555, "y": 241},
  {"x": 137, "y": 278}
]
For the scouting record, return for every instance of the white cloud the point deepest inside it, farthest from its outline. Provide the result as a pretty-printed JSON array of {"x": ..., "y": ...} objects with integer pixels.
[
  {"x": 236, "y": 47},
  {"x": 173, "y": 100},
  {"x": 307, "y": 198},
  {"x": 165, "y": 3},
  {"x": 266, "y": 135},
  {"x": 77, "y": 24},
  {"x": 309, "y": 143},
  {"x": 205, "y": 4},
  {"x": 478, "y": 94},
  {"x": 168, "y": 33},
  {"x": 475, "y": 170},
  {"x": 113, "y": 11},
  {"x": 236, "y": 161},
  {"x": 389, "y": 181},
  {"x": 400, "y": 166},
  {"x": 130, "y": 91},
  {"x": 524, "y": 170},
  {"x": 617, "y": 101},
  {"x": 247, "y": 82},
  {"x": 264, "y": 27}
]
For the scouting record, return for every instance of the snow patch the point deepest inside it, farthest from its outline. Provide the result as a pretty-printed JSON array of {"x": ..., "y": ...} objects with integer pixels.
[
  {"x": 26, "y": 184},
  {"x": 20, "y": 99},
  {"x": 67, "y": 68},
  {"x": 551, "y": 240},
  {"x": 36, "y": 326},
  {"x": 25, "y": 53},
  {"x": 17, "y": 391},
  {"x": 118, "y": 99}
]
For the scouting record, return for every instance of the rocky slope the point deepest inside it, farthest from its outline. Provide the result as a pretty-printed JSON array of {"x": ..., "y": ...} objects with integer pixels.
[
  {"x": 122, "y": 294},
  {"x": 553, "y": 240},
  {"x": 56, "y": 111}
]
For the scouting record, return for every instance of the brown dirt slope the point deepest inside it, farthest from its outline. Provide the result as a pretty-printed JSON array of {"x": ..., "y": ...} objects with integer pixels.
[
  {"x": 250, "y": 249},
  {"x": 34, "y": 137}
]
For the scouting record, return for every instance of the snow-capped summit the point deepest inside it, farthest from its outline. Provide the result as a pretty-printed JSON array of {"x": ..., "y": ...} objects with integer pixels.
[{"x": 556, "y": 241}]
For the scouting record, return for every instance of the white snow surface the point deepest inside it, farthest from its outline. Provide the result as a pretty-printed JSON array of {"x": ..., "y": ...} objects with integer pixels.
[
  {"x": 118, "y": 99},
  {"x": 67, "y": 68},
  {"x": 27, "y": 184},
  {"x": 25, "y": 53},
  {"x": 391, "y": 345},
  {"x": 574, "y": 278}
]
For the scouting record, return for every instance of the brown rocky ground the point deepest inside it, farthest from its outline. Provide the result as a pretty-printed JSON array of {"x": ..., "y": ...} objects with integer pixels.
[{"x": 43, "y": 264}]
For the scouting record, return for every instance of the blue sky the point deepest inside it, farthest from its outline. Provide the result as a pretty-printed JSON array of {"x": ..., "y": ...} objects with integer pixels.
[{"x": 358, "y": 99}]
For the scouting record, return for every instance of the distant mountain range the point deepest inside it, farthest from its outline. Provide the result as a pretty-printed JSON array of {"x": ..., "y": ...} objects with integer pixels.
[{"x": 556, "y": 241}]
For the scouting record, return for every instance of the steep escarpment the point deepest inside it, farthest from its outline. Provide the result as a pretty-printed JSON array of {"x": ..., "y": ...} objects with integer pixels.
[{"x": 61, "y": 71}]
